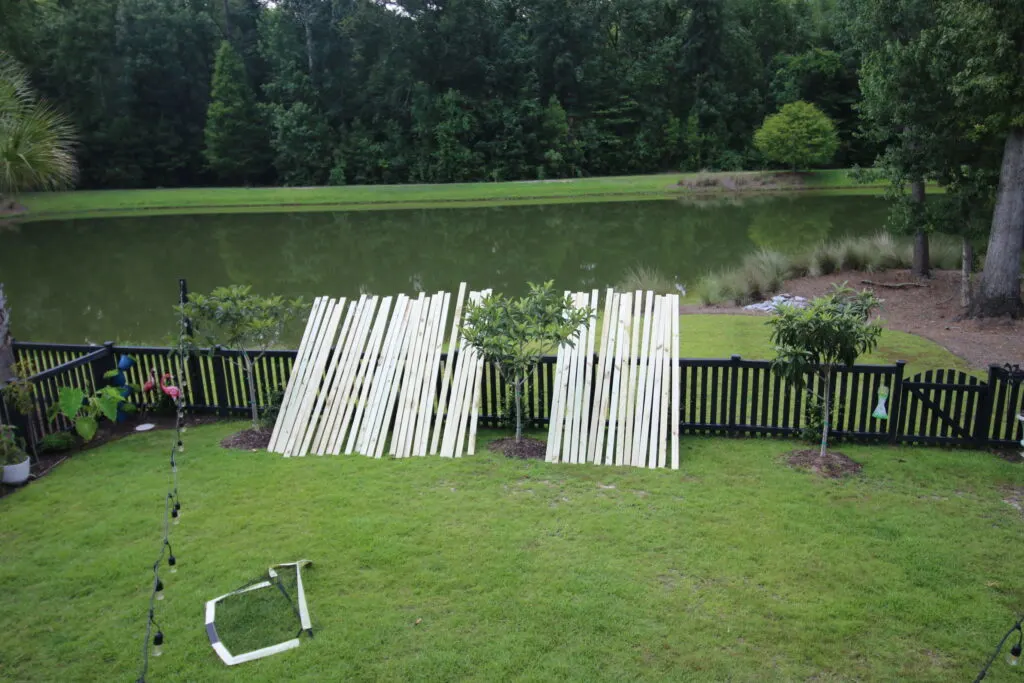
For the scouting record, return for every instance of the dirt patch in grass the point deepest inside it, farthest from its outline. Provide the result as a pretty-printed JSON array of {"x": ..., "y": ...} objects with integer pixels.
[
  {"x": 834, "y": 465},
  {"x": 524, "y": 449},
  {"x": 248, "y": 440},
  {"x": 736, "y": 182}
]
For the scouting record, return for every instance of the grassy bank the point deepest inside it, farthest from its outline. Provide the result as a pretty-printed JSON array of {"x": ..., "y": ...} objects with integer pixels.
[
  {"x": 88, "y": 203},
  {"x": 487, "y": 569},
  {"x": 762, "y": 273}
]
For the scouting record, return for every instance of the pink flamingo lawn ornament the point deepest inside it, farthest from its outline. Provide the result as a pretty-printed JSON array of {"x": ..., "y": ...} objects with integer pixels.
[{"x": 164, "y": 383}]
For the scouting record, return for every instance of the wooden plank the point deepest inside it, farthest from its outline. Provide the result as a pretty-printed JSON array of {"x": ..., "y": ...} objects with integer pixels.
[
  {"x": 632, "y": 377},
  {"x": 572, "y": 373},
  {"x": 477, "y": 384},
  {"x": 642, "y": 423},
  {"x": 674, "y": 359},
  {"x": 424, "y": 381},
  {"x": 326, "y": 396},
  {"x": 367, "y": 373},
  {"x": 383, "y": 378},
  {"x": 290, "y": 389},
  {"x": 617, "y": 422},
  {"x": 554, "y": 444},
  {"x": 666, "y": 370},
  {"x": 380, "y": 437},
  {"x": 430, "y": 383},
  {"x": 403, "y": 417},
  {"x": 459, "y": 399},
  {"x": 572, "y": 431},
  {"x": 442, "y": 401},
  {"x": 470, "y": 389},
  {"x": 297, "y": 437},
  {"x": 560, "y": 400},
  {"x": 354, "y": 374},
  {"x": 588, "y": 383},
  {"x": 302, "y": 373},
  {"x": 331, "y": 383},
  {"x": 605, "y": 364},
  {"x": 659, "y": 412},
  {"x": 351, "y": 347}
]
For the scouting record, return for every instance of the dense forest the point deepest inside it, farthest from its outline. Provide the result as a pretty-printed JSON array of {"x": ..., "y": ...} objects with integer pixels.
[
  {"x": 316, "y": 92},
  {"x": 173, "y": 93}
]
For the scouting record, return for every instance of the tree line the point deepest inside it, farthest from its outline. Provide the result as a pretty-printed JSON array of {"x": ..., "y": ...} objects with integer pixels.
[{"x": 171, "y": 93}]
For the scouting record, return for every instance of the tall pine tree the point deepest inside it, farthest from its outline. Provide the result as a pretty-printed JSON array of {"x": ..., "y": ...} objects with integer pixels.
[{"x": 237, "y": 142}]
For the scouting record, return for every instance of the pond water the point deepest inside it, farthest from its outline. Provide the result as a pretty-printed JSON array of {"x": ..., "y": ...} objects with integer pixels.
[{"x": 100, "y": 279}]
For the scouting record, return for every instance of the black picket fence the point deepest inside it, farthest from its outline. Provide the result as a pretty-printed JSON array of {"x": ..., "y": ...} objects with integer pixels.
[{"x": 729, "y": 397}]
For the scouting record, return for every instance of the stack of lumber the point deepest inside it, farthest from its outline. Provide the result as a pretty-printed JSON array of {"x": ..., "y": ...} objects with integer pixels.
[
  {"x": 622, "y": 409},
  {"x": 365, "y": 380}
]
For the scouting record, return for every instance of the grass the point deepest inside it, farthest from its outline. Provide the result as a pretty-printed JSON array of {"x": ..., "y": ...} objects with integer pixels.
[
  {"x": 705, "y": 336},
  {"x": 735, "y": 568},
  {"x": 762, "y": 273},
  {"x": 87, "y": 203}
]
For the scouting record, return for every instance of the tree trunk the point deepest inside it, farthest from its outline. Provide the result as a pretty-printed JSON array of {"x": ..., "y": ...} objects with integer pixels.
[
  {"x": 922, "y": 257},
  {"x": 966, "y": 265},
  {"x": 998, "y": 291},
  {"x": 251, "y": 381},
  {"x": 227, "y": 19},
  {"x": 519, "y": 408},
  {"x": 309, "y": 40},
  {"x": 6, "y": 343},
  {"x": 825, "y": 411}
]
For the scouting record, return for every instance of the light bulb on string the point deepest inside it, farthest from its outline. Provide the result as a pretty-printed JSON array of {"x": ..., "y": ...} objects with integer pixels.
[
  {"x": 176, "y": 516},
  {"x": 1013, "y": 659},
  {"x": 173, "y": 564},
  {"x": 158, "y": 644},
  {"x": 159, "y": 589}
]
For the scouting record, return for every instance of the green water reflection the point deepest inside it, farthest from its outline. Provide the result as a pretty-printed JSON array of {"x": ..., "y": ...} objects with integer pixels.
[{"x": 116, "y": 278}]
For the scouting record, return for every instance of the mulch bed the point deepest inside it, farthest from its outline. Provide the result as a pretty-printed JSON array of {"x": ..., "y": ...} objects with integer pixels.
[
  {"x": 249, "y": 440},
  {"x": 834, "y": 465},
  {"x": 524, "y": 449}
]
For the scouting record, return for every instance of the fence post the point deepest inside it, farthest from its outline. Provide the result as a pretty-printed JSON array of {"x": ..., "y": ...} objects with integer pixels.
[
  {"x": 192, "y": 369},
  {"x": 896, "y": 402},
  {"x": 983, "y": 420},
  {"x": 220, "y": 381},
  {"x": 734, "y": 380},
  {"x": 101, "y": 366},
  {"x": 182, "y": 300}
]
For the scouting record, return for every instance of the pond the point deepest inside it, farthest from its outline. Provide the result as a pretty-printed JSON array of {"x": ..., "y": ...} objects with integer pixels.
[{"x": 100, "y": 279}]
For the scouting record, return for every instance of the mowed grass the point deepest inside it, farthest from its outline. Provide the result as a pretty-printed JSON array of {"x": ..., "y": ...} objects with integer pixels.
[
  {"x": 734, "y": 568},
  {"x": 706, "y": 335},
  {"x": 86, "y": 203}
]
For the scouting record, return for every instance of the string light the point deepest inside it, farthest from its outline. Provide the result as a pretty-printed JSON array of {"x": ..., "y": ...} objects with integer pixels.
[
  {"x": 1013, "y": 658},
  {"x": 172, "y": 509}
]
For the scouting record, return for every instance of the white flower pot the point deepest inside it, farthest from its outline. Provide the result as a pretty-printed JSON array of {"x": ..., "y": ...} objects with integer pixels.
[{"x": 17, "y": 474}]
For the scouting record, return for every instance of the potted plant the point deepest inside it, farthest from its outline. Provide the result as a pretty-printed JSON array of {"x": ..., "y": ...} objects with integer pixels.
[{"x": 13, "y": 456}]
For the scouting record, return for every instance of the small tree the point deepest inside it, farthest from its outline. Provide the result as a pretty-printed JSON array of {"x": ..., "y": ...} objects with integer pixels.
[
  {"x": 799, "y": 135},
  {"x": 236, "y": 318},
  {"x": 832, "y": 330},
  {"x": 237, "y": 144},
  {"x": 514, "y": 333}
]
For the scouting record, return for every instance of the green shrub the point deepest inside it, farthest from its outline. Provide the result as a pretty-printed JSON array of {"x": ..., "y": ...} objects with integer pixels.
[
  {"x": 57, "y": 442},
  {"x": 645, "y": 279},
  {"x": 811, "y": 430},
  {"x": 268, "y": 418},
  {"x": 824, "y": 260},
  {"x": 946, "y": 252}
]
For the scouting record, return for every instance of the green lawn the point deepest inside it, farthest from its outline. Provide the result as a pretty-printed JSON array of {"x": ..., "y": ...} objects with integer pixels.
[
  {"x": 720, "y": 336},
  {"x": 84, "y": 203},
  {"x": 734, "y": 568}
]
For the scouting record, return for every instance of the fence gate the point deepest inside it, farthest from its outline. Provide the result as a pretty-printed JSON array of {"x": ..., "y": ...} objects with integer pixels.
[{"x": 945, "y": 407}]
